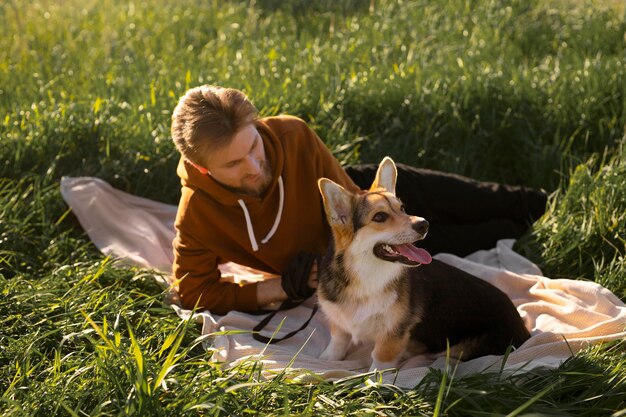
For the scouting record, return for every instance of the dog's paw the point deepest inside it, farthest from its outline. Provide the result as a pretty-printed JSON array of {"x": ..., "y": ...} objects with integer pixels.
[
  {"x": 382, "y": 366},
  {"x": 331, "y": 353},
  {"x": 337, "y": 347}
]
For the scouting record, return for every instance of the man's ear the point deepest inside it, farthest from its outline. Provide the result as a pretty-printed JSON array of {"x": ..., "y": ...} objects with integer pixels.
[
  {"x": 386, "y": 176},
  {"x": 202, "y": 170},
  {"x": 337, "y": 202}
]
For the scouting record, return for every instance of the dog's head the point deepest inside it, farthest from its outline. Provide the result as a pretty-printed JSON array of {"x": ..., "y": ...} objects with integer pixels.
[{"x": 374, "y": 222}]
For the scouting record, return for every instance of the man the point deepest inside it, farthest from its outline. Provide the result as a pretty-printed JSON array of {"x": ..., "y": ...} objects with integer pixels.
[{"x": 250, "y": 196}]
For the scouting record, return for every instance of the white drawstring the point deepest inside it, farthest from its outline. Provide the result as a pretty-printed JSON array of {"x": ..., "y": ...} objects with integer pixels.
[
  {"x": 281, "y": 200},
  {"x": 255, "y": 247}
]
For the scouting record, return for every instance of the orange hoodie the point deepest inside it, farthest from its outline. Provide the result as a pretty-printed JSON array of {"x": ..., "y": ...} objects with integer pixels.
[{"x": 215, "y": 225}]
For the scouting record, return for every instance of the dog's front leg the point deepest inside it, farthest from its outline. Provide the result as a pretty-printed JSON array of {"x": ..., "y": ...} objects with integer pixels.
[
  {"x": 387, "y": 351},
  {"x": 338, "y": 345}
]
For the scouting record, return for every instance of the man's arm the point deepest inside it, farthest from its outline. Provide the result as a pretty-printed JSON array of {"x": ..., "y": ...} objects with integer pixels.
[{"x": 200, "y": 284}]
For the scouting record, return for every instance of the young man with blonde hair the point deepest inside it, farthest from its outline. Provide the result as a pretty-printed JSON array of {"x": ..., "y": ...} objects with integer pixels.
[{"x": 249, "y": 195}]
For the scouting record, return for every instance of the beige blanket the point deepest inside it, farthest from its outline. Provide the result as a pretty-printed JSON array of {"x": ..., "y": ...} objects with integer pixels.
[{"x": 563, "y": 316}]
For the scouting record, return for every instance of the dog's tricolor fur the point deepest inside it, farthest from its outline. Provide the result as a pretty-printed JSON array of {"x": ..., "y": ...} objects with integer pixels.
[{"x": 371, "y": 291}]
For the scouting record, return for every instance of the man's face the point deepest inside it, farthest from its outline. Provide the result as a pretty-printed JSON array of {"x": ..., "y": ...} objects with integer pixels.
[{"x": 242, "y": 166}]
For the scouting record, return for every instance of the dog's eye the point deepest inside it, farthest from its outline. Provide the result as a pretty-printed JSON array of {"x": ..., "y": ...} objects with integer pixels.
[
  {"x": 402, "y": 209},
  {"x": 380, "y": 217}
]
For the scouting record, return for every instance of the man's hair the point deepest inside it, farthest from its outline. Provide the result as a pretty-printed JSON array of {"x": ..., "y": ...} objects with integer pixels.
[{"x": 207, "y": 118}]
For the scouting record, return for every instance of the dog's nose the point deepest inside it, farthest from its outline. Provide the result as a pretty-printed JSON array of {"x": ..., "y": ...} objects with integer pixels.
[{"x": 420, "y": 225}]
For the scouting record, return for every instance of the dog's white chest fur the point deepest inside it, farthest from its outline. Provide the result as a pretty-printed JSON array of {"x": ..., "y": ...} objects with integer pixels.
[
  {"x": 367, "y": 306},
  {"x": 363, "y": 319}
]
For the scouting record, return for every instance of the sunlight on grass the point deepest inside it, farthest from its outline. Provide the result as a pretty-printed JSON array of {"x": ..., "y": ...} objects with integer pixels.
[{"x": 527, "y": 92}]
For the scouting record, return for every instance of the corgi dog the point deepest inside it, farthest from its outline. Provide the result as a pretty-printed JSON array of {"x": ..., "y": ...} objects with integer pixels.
[{"x": 376, "y": 286}]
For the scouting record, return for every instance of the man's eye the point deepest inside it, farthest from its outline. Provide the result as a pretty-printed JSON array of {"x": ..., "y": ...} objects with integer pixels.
[{"x": 380, "y": 217}]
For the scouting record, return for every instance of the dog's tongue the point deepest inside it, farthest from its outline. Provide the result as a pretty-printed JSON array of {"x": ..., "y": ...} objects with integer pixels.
[{"x": 414, "y": 253}]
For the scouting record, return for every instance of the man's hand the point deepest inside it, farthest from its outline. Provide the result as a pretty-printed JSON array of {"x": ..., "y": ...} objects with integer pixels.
[{"x": 270, "y": 291}]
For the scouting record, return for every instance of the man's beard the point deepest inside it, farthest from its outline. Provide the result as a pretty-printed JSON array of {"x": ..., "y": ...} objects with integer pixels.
[{"x": 256, "y": 190}]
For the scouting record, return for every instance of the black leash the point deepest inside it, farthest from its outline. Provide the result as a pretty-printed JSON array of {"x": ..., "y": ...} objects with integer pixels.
[
  {"x": 294, "y": 281},
  {"x": 271, "y": 340}
]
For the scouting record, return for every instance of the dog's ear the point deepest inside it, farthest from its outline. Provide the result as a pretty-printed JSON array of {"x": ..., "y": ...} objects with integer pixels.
[
  {"x": 337, "y": 202},
  {"x": 386, "y": 176}
]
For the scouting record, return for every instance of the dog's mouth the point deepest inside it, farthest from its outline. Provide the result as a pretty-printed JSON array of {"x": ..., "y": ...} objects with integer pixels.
[{"x": 404, "y": 253}]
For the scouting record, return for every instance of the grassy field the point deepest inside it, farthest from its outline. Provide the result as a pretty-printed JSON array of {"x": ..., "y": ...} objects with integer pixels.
[{"x": 521, "y": 91}]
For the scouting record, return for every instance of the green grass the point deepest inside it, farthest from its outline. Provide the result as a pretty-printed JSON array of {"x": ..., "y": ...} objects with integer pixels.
[
  {"x": 582, "y": 235},
  {"x": 526, "y": 92}
]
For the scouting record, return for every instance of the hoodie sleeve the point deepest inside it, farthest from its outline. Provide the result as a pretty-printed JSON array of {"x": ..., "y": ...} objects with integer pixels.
[{"x": 199, "y": 279}]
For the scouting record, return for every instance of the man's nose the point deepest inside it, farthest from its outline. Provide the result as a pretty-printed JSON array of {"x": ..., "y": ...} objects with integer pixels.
[{"x": 253, "y": 166}]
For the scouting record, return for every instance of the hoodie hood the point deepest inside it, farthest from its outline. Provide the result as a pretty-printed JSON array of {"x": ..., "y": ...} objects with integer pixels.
[{"x": 194, "y": 179}]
